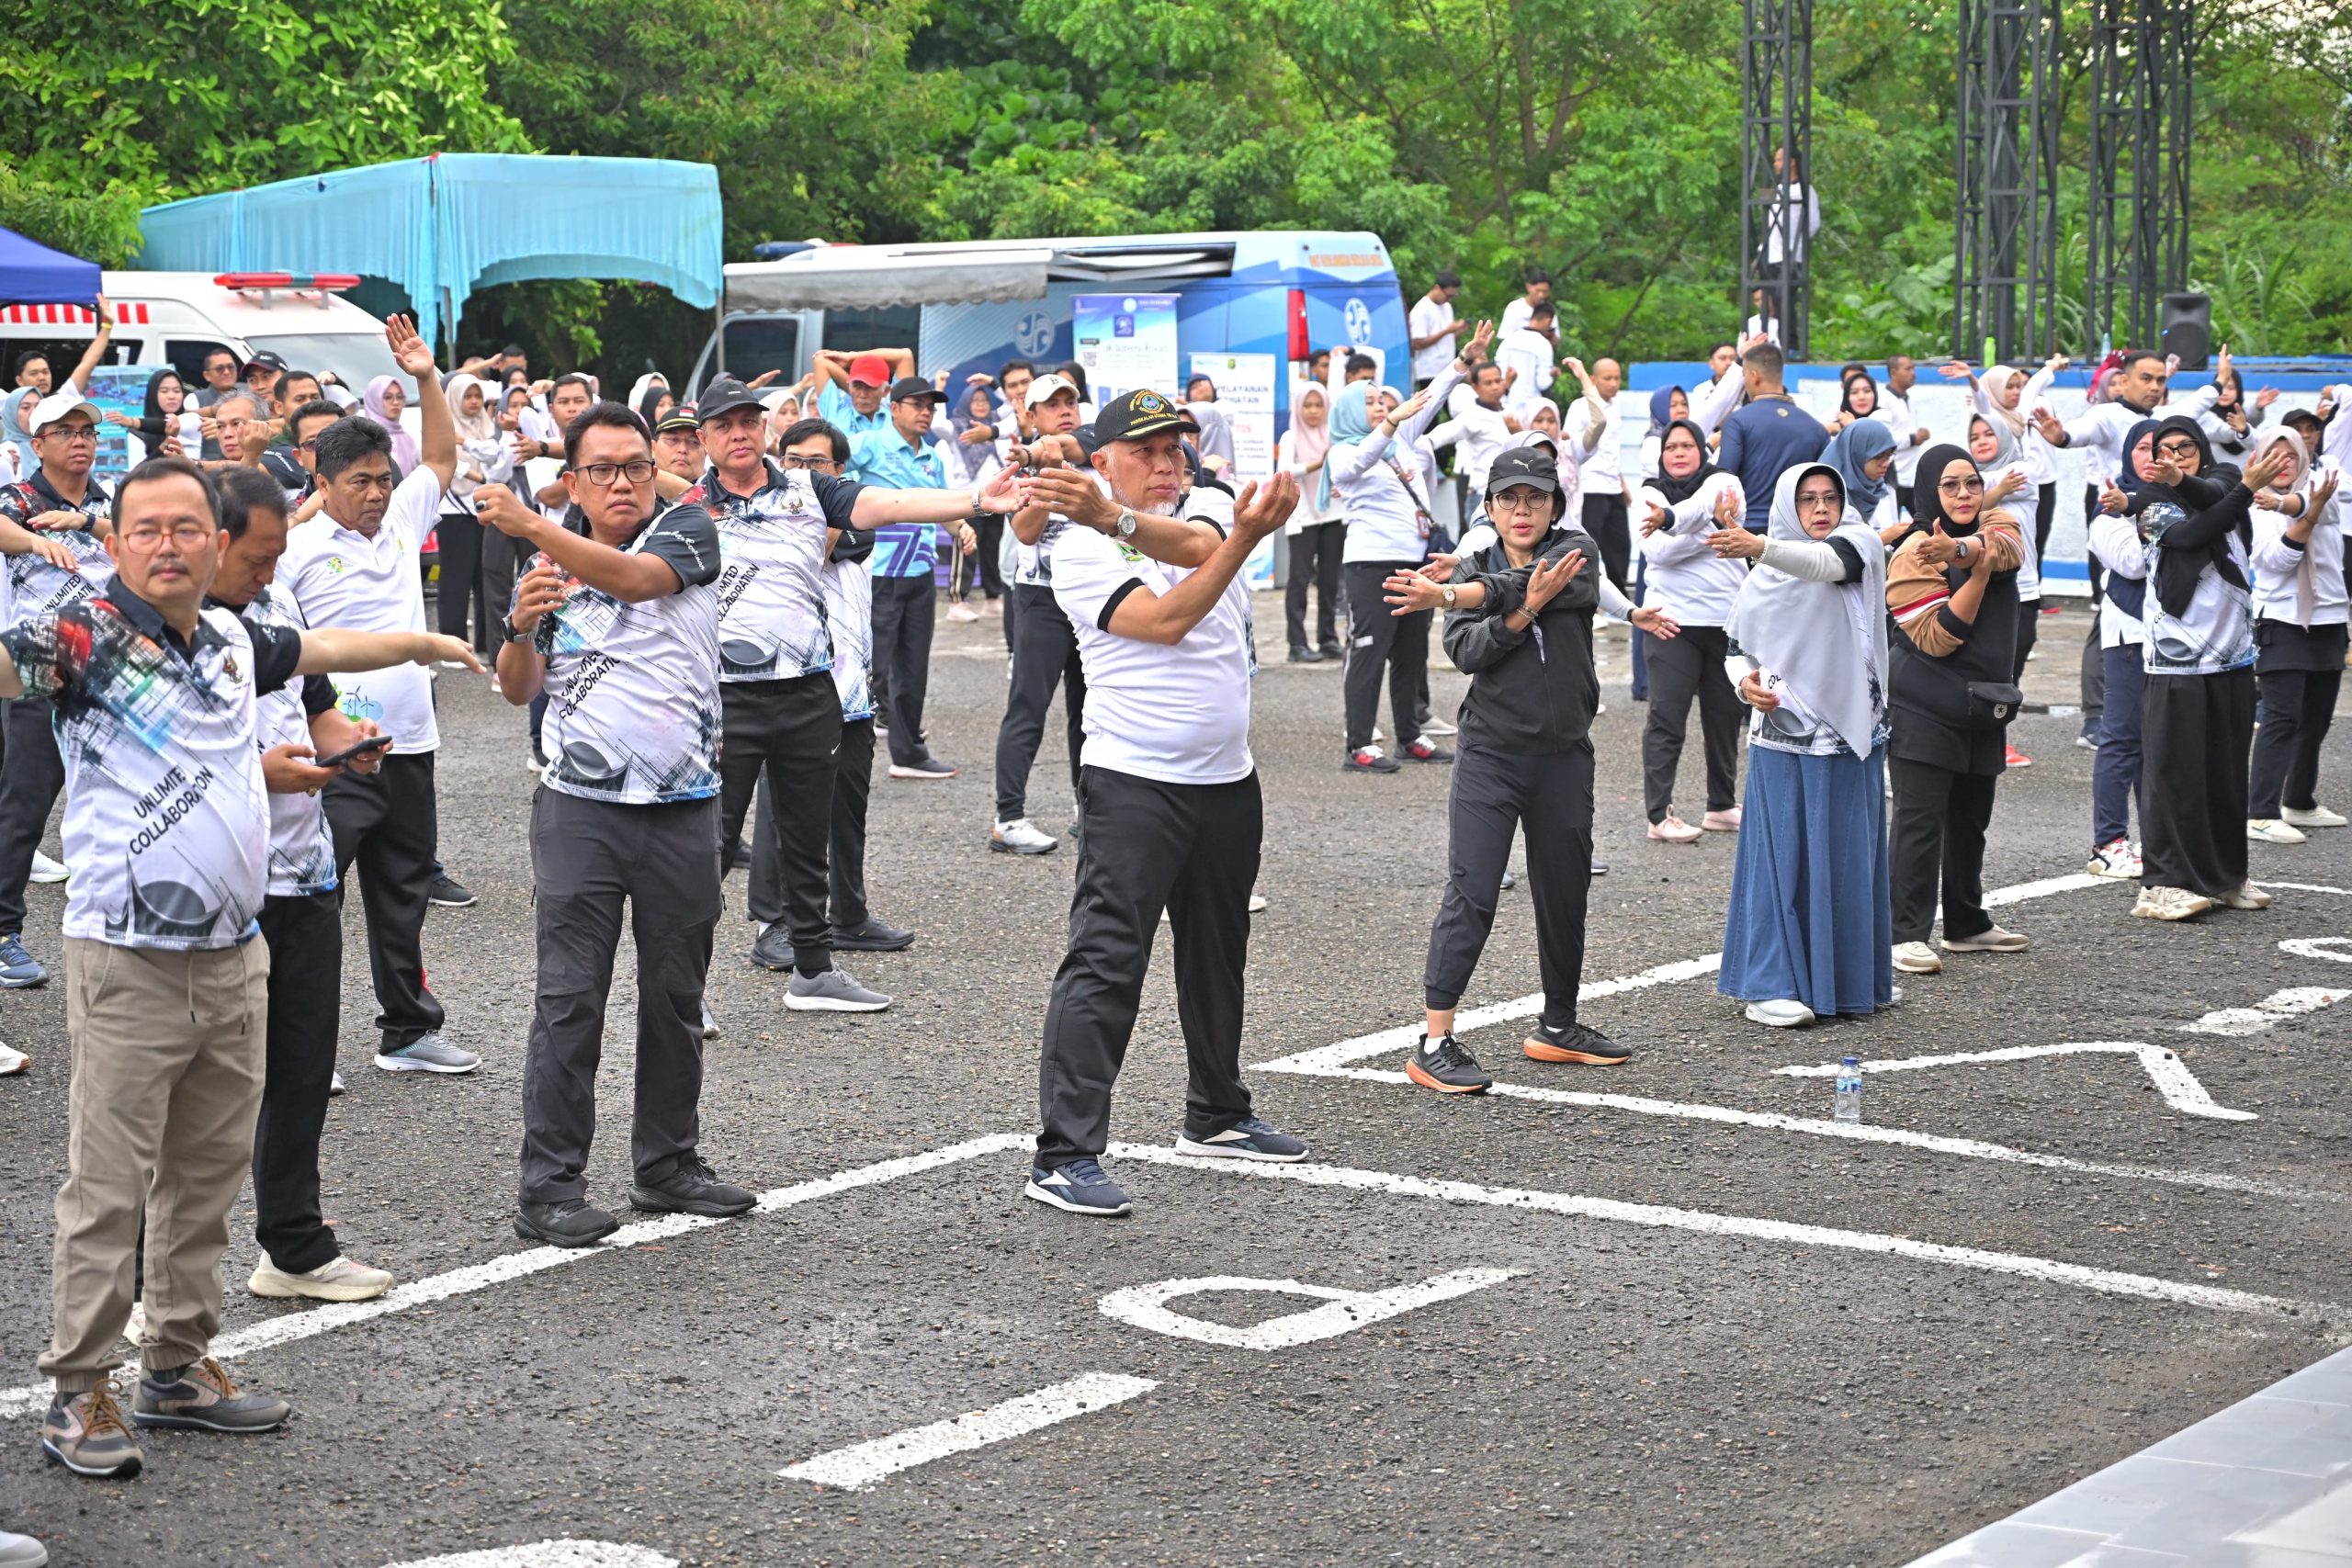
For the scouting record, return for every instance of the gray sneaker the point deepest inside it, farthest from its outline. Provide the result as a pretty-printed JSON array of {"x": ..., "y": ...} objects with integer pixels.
[
  {"x": 21, "y": 1551},
  {"x": 835, "y": 990},
  {"x": 87, "y": 1435},
  {"x": 200, "y": 1397},
  {"x": 428, "y": 1054}
]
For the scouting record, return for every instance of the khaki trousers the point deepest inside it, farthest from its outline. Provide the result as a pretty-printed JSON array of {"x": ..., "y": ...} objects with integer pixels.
[{"x": 167, "y": 1058}]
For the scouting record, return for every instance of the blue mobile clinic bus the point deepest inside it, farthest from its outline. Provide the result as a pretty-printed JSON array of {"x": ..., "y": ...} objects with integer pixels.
[{"x": 970, "y": 307}]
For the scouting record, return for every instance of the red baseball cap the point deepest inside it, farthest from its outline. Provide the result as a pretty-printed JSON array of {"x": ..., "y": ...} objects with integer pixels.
[{"x": 870, "y": 368}]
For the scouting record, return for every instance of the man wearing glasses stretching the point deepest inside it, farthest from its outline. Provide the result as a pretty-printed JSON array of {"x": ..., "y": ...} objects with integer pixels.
[
  {"x": 355, "y": 565},
  {"x": 50, "y": 531}
]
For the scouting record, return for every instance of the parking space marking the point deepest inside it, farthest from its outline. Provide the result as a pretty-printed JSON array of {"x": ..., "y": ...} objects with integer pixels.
[
  {"x": 2338, "y": 948},
  {"x": 289, "y": 1328},
  {"x": 550, "y": 1554},
  {"x": 2272, "y": 1010},
  {"x": 2307, "y": 888},
  {"x": 862, "y": 1464},
  {"x": 1379, "y": 1042},
  {"x": 2168, "y": 1072},
  {"x": 1658, "y": 1216},
  {"x": 1146, "y": 1307}
]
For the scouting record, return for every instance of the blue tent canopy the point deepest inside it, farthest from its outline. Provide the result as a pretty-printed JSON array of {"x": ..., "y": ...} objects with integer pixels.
[
  {"x": 30, "y": 273},
  {"x": 444, "y": 226}
]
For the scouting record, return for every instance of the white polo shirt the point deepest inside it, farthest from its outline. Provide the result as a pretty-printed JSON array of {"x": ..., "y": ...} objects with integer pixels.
[
  {"x": 301, "y": 844},
  {"x": 343, "y": 578},
  {"x": 1894, "y": 411},
  {"x": 1177, "y": 714}
]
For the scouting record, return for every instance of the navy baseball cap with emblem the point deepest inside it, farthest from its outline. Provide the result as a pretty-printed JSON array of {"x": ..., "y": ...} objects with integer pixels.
[{"x": 1139, "y": 415}]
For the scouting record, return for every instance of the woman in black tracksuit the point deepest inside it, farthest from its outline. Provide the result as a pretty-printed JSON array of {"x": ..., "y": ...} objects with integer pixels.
[{"x": 1524, "y": 761}]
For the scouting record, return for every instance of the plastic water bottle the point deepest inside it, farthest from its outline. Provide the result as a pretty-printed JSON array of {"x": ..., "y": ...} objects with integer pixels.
[{"x": 1849, "y": 1089}]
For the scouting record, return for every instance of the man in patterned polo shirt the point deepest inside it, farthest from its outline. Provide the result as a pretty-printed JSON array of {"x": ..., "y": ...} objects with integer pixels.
[
  {"x": 617, "y": 622},
  {"x": 167, "y": 827}
]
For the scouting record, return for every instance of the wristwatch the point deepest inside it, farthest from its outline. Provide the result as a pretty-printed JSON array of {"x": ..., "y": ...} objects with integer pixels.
[
  {"x": 1445, "y": 595},
  {"x": 1125, "y": 526}
]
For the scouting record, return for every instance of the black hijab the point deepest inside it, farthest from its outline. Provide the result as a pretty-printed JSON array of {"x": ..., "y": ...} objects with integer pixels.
[
  {"x": 1678, "y": 491},
  {"x": 1927, "y": 501},
  {"x": 1846, "y": 396},
  {"x": 2213, "y": 507}
]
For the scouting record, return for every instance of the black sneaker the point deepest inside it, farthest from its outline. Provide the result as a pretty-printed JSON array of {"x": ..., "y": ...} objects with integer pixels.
[
  {"x": 871, "y": 935},
  {"x": 773, "y": 949},
  {"x": 692, "y": 1189},
  {"x": 740, "y": 857},
  {"x": 1442, "y": 1064},
  {"x": 1302, "y": 654},
  {"x": 1426, "y": 750},
  {"x": 1369, "y": 760},
  {"x": 1331, "y": 648},
  {"x": 571, "y": 1223},
  {"x": 450, "y": 892},
  {"x": 1081, "y": 1186},
  {"x": 1578, "y": 1042}
]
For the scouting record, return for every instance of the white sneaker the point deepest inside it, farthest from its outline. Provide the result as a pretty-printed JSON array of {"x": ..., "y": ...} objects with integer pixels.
[
  {"x": 1257, "y": 903},
  {"x": 1781, "y": 1014},
  {"x": 2293, "y": 816},
  {"x": 1726, "y": 821},
  {"x": 337, "y": 1280},
  {"x": 2170, "y": 904},
  {"x": 1917, "y": 958},
  {"x": 13, "y": 1061},
  {"x": 21, "y": 1551},
  {"x": 2249, "y": 897},
  {"x": 2270, "y": 830},
  {"x": 1991, "y": 939},
  {"x": 959, "y": 613},
  {"x": 1672, "y": 829},
  {"x": 2118, "y": 861},
  {"x": 1437, "y": 725},
  {"x": 1022, "y": 838},
  {"x": 48, "y": 869}
]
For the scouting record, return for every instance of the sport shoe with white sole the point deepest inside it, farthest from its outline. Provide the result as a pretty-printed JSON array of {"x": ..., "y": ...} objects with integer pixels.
[
  {"x": 1081, "y": 1186},
  {"x": 1726, "y": 821},
  {"x": 21, "y": 1551},
  {"x": 2249, "y": 897},
  {"x": 1780, "y": 1014},
  {"x": 448, "y": 893},
  {"x": 200, "y": 1397},
  {"x": 1917, "y": 958},
  {"x": 1436, "y": 726},
  {"x": 1020, "y": 838},
  {"x": 1246, "y": 1139},
  {"x": 13, "y": 1061},
  {"x": 48, "y": 869},
  {"x": 1257, "y": 903},
  {"x": 1991, "y": 939},
  {"x": 1672, "y": 829},
  {"x": 429, "y": 1052},
  {"x": 337, "y": 1280},
  {"x": 2170, "y": 904},
  {"x": 2118, "y": 861},
  {"x": 2293, "y": 816},
  {"x": 89, "y": 1435},
  {"x": 925, "y": 768},
  {"x": 2270, "y": 830},
  {"x": 334, "y": 1087},
  {"x": 835, "y": 990}
]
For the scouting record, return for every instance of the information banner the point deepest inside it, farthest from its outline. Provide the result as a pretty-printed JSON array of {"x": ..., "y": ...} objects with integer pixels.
[
  {"x": 118, "y": 389},
  {"x": 1127, "y": 342},
  {"x": 1245, "y": 395}
]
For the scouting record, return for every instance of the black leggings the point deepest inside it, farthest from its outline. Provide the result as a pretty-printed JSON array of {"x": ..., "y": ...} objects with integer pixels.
[
  {"x": 2045, "y": 512},
  {"x": 460, "y": 584}
]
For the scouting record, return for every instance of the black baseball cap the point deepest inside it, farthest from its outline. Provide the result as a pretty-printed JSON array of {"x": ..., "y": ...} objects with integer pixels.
[
  {"x": 1523, "y": 466},
  {"x": 682, "y": 416},
  {"x": 1139, "y": 415},
  {"x": 266, "y": 359},
  {"x": 906, "y": 388},
  {"x": 724, "y": 395}
]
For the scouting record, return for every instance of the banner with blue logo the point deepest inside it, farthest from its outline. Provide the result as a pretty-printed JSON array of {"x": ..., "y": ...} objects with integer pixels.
[{"x": 1127, "y": 342}]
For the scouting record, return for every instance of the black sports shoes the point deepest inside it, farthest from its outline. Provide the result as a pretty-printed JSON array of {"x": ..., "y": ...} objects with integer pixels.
[
  {"x": 1578, "y": 1042},
  {"x": 1442, "y": 1064}
]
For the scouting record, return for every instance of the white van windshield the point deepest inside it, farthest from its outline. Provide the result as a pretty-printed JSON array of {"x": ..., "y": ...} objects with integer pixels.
[{"x": 356, "y": 357}]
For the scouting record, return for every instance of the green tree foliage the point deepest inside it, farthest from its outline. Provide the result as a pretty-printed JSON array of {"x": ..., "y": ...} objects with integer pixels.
[{"x": 100, "y": 226}]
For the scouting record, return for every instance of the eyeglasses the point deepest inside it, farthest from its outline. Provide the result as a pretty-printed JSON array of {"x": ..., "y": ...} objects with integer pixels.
[
  {"x": 1517, "y": 502},
  {"x": 1974, "y": 485},
  {"x": 1808, "y": 500},
  {"x": 2178, "y": 449},
  {"x": 148, "y": 537},
  {"x": 73, "y": 431},
  {"x": 819, "y": 464},
  {"x": 310, "y": 446},
  {"x": 638, "y": 470}
]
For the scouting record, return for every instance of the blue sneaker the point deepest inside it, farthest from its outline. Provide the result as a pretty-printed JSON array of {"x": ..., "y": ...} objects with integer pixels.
[
  {"x": 1080, "y": 1188},
  {"x": 17, "y": 967},
  {"x": 1247, "y": 1139}
]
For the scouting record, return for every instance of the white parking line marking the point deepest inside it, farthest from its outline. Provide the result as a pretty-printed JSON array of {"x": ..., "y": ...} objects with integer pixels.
[
  {"x": 2307, "y": 888},
  {"x": 2048, "y": 1270},
  {"x": 1322, "y": 1059},
  {"x": 2170, "y": 1074},
  {"x": 863, "y": 1464},
  {"x": 550, "y": 1554},
  {"x": 2277, "y": 1006},
  {"x": 288, "y": 1327},
  {"x": 2338, "y": 948},
  {"x": 1146, "y": 1307},
  {"x": 1867, "y": 1133}
]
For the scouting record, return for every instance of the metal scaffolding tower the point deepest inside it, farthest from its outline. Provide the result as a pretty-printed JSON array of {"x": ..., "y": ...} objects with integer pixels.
[
  {"x": 2141, "y": 52},
  {"x": 1776, "y": 142},
  {"x": 2005, "y": 277}
]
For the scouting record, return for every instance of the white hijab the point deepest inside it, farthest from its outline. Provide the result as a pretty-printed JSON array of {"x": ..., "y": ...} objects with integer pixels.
[{"x": 1809, "y": 633}]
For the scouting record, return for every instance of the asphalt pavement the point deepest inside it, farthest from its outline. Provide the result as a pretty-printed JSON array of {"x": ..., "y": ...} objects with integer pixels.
[{"x": 1666, "y": 1313}]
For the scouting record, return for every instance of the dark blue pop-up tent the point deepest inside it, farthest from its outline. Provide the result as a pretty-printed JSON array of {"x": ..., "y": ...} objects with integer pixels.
[{"x": 31, "y": 273}]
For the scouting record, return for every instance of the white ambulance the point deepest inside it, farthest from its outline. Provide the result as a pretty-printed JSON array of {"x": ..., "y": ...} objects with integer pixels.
[{"x": 179, "y": 318}]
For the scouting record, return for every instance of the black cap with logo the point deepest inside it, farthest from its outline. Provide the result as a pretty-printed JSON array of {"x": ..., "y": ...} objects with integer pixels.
[
  {"x": 1139, "y": 415},
  {"x": 1523, "y": 466},
  {"x": 907, "y": 388},
  {"x": 724, "y": 395}
]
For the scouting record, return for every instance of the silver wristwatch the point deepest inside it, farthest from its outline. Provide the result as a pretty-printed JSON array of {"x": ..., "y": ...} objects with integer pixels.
[{"x": 1125, "y": 526}]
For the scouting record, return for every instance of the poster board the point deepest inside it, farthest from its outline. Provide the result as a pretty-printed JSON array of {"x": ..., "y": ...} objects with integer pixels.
[
  {"x": 1127, "y": 342},
  {"x": 1245, "y": 395}
]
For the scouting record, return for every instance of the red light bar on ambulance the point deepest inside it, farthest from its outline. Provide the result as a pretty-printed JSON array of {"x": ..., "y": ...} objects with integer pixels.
[{"x": 287, "y": 280}]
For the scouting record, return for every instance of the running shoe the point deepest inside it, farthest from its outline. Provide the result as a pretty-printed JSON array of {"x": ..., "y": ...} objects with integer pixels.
[
  {"x": 450, "y": 892},
  {"x": 1917, "y": 958},
  {"x": 2170, "y": 904},
  {"x": 1247, "y": 1139},
  {"x": 2270, "y": 830},
  {"x": 1991, "y": 939},
  {"x": 1578, "y": 1042},
  {"x": 2293, "y": 816},
  {"x": 337, "y": 1279},
  {"x": 88, "y": 1434},
  {"x": 19, "y": 968},
  {"x": 1363, "y": 759},
  {"x": 1783, "y": 1013},
  {"x": 1442, "y": 1064},
  {"x": 1019, "y": 837},
  {"x": 1426, "y": 750},
  {"x": 428, "y": 1053},
  {"x": 1081, "y": 1186},
  {"x": 200, "y": 1397},
  {"x": 13, "y": 1061},
  {"x": 925, "y": 767},
  {"x": 2249, "y": 897},
  {"x": 835, "y": 990},
  {"x": 48, "y": 869},
  {"x": 2118, "y": 861}
]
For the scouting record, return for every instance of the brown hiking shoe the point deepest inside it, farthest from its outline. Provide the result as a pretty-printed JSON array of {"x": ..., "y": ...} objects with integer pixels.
[
  {"x": 201, "y": 1398},
  {"x": 86, "y": 1434}
]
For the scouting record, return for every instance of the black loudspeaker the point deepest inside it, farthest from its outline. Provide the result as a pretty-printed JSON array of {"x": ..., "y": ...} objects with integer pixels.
[{"x": 2188, "y": 329}]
